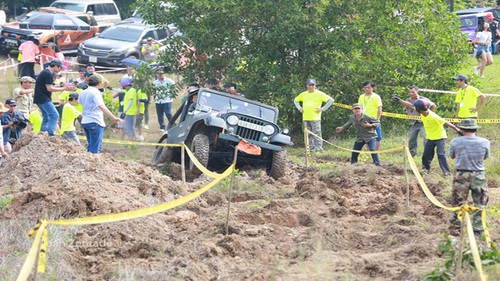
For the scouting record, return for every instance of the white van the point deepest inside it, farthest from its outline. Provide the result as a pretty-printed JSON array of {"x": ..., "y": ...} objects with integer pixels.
[{"x": 103, "y": 10}]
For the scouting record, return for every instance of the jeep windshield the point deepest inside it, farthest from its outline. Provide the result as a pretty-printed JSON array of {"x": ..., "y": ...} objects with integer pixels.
[
  {"x": 121, "y": 34},
  {"x": 224, "y": 104}
]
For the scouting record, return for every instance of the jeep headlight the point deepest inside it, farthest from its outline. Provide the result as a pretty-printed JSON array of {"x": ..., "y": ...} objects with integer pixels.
[
  {"x": 268, "y": 130},
  {"x": 232, "y": 120}
]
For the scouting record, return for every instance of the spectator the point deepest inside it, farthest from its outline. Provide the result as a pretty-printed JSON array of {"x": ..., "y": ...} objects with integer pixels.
[
  {"x": 24, "y": 95},
  {"x": 495, "y": 33},
  {"x": 213, "y": 84},
  {"x": 93, "y": 114},
  {"x": 3, "y": 153},
  {"x": 131, "y": 72},
  {"x": 311, "y": 109},
  {"x": 416, "y": 125},
  {"x": 35, "y": 119},
  {"x": 29, "y": 51},
  {"x": 13, "y": 122},
  {"x": 483, "y": 51},
  {"x": 151, "y": 49},
  {"x": 131, "y": 108},
  {"x": 466, "y": 98},
  {"x": 47, "y": 53},
  {"x": 372, "y": 104},
  {"x": 104, "y": 81},
  {"x": 469, "y": 153},
  {"x": 365, "y": 132},
  {"x": 436, "y": 136},
  {"x": 121, "y": 125},
  {"x": 85, "y": 84},
  {"x": 163, "y": 98},
  {"x": 232, "y": 89},
  {"x": 69, "y": 114},
  {"x": 81, "y": 75},
  {"x": 60, "y": 56},
  {"x": 143, "y": 101},
  {"x": 43, "y": 96}
]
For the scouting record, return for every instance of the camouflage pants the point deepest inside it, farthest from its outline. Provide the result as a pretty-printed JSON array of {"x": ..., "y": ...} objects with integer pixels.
[
  {"x": 315, "y": 144},
  {"x": 477, "y": 183}
]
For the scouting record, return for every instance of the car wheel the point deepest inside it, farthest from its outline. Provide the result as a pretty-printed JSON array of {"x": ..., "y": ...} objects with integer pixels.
[
  {"x": 162, "y": 154},
  {"x": 279, "y": 164},
  {"x": 200, "y": 146},
  {"x": 132, "y": 57}
]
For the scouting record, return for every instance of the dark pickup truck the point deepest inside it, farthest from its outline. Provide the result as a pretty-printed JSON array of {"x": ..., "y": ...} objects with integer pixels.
[{"x": 11, "y": 35}]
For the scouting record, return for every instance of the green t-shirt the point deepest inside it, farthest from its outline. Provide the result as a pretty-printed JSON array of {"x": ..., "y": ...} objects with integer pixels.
[
  {"x": 467, "y": 98},
  {"x": 370, "y": 104},
  {"x": 69, "y": 114},
  {"x": 130, "y": 94},
  {"x": 311, "y": 102},
  {"x": 36, "y": 119},
  {"x": 433, "y": 125}
]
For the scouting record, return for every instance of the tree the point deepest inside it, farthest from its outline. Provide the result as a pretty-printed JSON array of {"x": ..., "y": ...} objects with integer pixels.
[{"x": 271, "y": 47}]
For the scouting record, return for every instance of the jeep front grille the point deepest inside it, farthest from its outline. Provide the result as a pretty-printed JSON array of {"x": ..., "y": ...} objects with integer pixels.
[{"x": 247, "y": 133}]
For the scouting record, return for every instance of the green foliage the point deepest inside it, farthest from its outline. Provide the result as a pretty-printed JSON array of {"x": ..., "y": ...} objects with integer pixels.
[
  {"x": 4, "y": 201},
  {"x": 490, "y": 257},
  {"x": 270, "y": 48}
]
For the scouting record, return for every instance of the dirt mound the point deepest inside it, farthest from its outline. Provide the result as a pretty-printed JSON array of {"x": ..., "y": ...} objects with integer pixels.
[{"x": 352, "y": 222}]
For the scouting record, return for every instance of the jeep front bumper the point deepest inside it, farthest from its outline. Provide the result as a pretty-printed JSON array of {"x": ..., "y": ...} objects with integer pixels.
[{"x": 263, "y": 145}]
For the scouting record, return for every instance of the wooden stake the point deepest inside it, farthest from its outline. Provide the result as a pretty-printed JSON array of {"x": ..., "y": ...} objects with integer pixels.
[
  {"x": 183, "y": 164},
  {"x": 406, "y": 174},
  {"x": 230, "y": 191}
]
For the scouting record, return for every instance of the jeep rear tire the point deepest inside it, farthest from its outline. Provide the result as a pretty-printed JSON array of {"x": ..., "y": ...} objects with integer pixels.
[
  {"x": 162, "y": 154},
  {"x": 279, "y": 164},
  {"x": 200, "y": 146}
]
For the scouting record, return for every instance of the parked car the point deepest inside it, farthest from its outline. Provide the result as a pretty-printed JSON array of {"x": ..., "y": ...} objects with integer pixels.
[
  {"x": 118, "y": 42},
  {"x": 213, "y": 125},
  {"x": 469, "y": 23},
  {"x": 102, "y": 10},
  {"x": 12, "y": 35},
  {"x": 494, "y": 11}
]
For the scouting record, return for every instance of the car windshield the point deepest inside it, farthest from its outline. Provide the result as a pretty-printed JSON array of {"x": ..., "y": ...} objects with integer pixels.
[
  {"x": 224, "y": 104},
  {"x": 121, "y": 34},
  {"x": 468, "y": 22},
  {"x": 69, "y": 6}
]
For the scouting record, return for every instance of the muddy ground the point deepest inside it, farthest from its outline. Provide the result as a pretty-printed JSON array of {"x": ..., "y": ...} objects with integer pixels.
[{"x": 350, "y": 224}]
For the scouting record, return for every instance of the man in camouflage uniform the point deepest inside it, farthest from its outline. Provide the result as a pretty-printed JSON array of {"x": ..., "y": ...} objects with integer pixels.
[{"x": 469, "y": 152}]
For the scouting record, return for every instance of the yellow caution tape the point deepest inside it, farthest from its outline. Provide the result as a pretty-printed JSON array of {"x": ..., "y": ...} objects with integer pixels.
[
  {"x": 42, "y": 255},
  {"x": 146, "y": 211},
  {"x": 358, "y": 151},
  {"x": 199, "y": 165},
  {"x": 473, "y": 247},
  {"x": 409, "y": 117},
  {"x": 24, "y": 274}
]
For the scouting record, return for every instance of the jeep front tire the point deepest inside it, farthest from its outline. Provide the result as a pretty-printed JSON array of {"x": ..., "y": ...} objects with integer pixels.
[
  {"x": 200, "y": 146},
  {"x": 162, "y": 154},
  {"x": 279, "y": 164}
]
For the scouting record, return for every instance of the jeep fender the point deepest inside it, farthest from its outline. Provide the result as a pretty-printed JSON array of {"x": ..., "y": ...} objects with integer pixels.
[
  {"x": 214, "y": 121},
  {"x": 281, "y": 139}
]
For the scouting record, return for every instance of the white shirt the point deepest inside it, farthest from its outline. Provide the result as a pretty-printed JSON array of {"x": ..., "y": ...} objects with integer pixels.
[
  {"x": 163, "y": 90},
  {"x": 91, "y": 99}
]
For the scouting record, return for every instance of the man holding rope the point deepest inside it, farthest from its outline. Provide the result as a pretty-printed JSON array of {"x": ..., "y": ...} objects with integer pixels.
[{"x": 469, "y": 153}]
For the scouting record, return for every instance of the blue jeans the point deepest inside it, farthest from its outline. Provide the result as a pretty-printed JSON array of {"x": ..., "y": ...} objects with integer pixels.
[
  {"x": 359, "y": 145},
  {"x": 71, "y": 135},
  {"x": 94, "y": 134},
  {"x": 163, "y": 109},
  {"x": 50, "y": 117},
  {"x": 428, "y": 155}
]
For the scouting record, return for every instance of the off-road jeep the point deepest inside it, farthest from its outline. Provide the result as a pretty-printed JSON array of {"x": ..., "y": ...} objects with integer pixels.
[{"x": 214, "y": 124}]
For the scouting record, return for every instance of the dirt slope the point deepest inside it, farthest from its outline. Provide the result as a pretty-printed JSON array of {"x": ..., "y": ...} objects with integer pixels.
[{"x": 353, "y": 223}]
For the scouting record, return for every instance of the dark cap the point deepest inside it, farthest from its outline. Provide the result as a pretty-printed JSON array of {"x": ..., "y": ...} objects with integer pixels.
[
  {"x": 460, "y": 77},
  {"x": 87, "y": 73},
  {"x": 212, "y": 81},
  {"x": 73, "y": 96},
  {"x": 468, "y": 124},
  {"x": 11, "y": 102},
  {"x": 311, "y": 81},
  {"x": 94, "y": 80},
  {"x": 73, "y": 80},
  {"x": 229, "y": 85},
  {"x": 56, "y": 62},
  {"x": 357, "y": 105}
]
